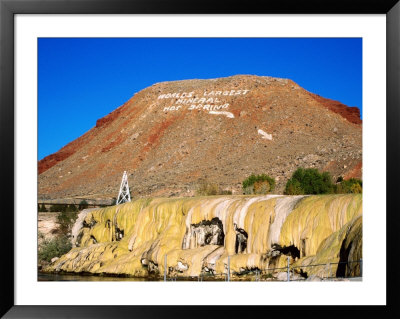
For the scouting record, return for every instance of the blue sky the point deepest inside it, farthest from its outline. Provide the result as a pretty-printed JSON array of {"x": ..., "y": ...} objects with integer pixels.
[{"x": 82, "y": 80}]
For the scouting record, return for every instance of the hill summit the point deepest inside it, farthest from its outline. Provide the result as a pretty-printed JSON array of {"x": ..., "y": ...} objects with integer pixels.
[{"x": 173, "y": 135}]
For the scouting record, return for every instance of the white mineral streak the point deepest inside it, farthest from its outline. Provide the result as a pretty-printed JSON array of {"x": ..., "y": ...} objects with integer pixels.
[
  {"x": 212, "y": 258},
  {"x": 189, "y": 232},
  {"x": 78, "y": 225},
  {"x": 240, "y": 214},
  {"x": 221, "y": 209},
  {"x": 252, "y": 260},
  {"x": 265, "y": 135},
  {"x": 283, "y": 208},
  {"x": 227, "y": 114}
]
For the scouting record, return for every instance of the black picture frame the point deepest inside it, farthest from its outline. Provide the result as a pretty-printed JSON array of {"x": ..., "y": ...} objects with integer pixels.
[{"x": 8, "y": 10}]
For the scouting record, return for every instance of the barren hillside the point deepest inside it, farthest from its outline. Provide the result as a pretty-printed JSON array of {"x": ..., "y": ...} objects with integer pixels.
[{"x": 172, "y": 135}]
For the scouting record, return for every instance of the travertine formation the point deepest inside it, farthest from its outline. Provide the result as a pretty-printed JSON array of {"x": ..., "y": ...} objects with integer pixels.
[
  {"x": 198, "y": 234},
  {"x": 172, "y": 135}
]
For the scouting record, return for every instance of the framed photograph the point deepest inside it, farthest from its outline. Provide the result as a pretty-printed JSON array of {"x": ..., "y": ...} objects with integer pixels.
[{"x": 167, "y": 154}]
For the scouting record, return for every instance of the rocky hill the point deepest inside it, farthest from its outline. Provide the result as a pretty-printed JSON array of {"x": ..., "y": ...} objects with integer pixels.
[{"x": 172, "y": 135}]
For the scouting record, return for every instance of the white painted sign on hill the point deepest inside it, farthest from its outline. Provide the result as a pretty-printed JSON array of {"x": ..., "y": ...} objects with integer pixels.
[{"x": 212, "y": 101}]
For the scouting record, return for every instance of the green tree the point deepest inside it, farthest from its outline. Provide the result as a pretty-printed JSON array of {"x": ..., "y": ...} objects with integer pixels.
[{"x": 309, "y": 181}]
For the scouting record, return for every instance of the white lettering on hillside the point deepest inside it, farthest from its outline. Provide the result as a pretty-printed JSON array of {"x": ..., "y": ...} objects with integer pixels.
[
  {"x": 211, "y": 93},
  {"x": 214, "y": 102},
  {"x": 175, "y": 95}
]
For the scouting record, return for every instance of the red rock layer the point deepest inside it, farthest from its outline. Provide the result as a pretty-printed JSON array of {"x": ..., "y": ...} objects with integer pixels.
[{"x": 352, "y": 114}]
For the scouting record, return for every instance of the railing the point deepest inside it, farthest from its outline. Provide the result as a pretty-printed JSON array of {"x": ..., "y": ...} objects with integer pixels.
[
  {"x": 266, "y": 274},
  {"x": 329, "y": 267}
]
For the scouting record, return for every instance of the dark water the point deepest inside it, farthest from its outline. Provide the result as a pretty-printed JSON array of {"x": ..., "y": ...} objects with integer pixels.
[
  {"x": 72, "y": 277},
  {"x": 75, "y": 277}
]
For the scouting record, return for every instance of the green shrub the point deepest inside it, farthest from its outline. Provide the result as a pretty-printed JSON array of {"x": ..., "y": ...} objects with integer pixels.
[
  {"x": 309, "y": 181},
  {"x": 58, "y": 208},
  {"x": 293, "y": 187},
  {"x": 258, "y": 184},
  {"x": 66, "y": 221},
  {"x": 71, "y": 208},
  {"x": 261, "y": 187},
  {"x": 249, "y": 190},
  {"x": 356, "y": 189},
  {"x": 351, "y": 185},
  {"x": 56, "y": 247},
  {"x": 83, "y": 204}
]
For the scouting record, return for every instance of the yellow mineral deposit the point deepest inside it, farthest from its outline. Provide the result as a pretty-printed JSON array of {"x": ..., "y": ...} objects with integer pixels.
[{"x": 198, "y": 234}]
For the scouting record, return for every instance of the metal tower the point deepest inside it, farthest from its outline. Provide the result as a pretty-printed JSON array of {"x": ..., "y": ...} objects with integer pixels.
[{"x": 124, "y": 195}]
